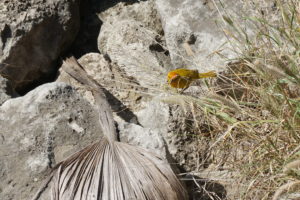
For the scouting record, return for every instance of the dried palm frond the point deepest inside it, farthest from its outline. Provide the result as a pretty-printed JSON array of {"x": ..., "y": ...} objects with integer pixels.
[{"x": 111, "y": 170}]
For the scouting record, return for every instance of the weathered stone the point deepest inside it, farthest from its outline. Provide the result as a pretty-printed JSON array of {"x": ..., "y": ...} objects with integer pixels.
[
  {"x": 193, "y": 37},
  {"x": 166, "y": 129},
  {"x": 133, "y": 40},
  {"x": 33, "y": 36},
  {"x": 141, "y": 120},
  {"x": 143, "y": 12},
  {"x": 41, "y": 128},
  {"x": 153, "y": 119},
  {"x": 121, "y": 90},
  {"x": 124, "y": 95},
  {"x": 6, "y": 91}
]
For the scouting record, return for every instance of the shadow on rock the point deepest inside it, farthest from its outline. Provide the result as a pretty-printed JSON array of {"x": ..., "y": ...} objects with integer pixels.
[
  {"x": 120, "y": 109},
  {"x": 204, "y": 189},
  {"x": 86, "y": 40}
]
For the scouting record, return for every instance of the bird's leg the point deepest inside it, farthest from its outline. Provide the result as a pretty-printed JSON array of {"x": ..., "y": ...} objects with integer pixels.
[
  {"x": 187, "y": 85},
  {"x": 182, "y": 90}
]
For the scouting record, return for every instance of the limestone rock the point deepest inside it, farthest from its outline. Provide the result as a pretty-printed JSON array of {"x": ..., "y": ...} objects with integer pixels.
[
  {"x": 41, "y": 128},
  {"x": 166, "y": 130},
  {"x": 6, "y": 91},
  {"x": 143, "y": 12},
  {"x": 141, "y": 120},
  {"x": 153, "y": 119},
  {"x": 133, "y": 40},
  {"x": 33, "y": 36},
  {"x": 192, "y": 34},
  {"x": 123, "y": 91}
]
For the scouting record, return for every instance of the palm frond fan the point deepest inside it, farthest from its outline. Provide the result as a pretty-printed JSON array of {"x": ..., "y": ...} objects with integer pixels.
[{"x": 109, "y": 169}]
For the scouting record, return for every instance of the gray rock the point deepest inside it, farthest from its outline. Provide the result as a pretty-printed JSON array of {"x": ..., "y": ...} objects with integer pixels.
[
  {"x": 41, "y": 128},
  {"x": 141, "y": 119},
  {"x": 130, "y": 38},
  {"x": 96, "y": 66},
  {"x": 165, "y": 129},
  {"x": 126, "y": 39},
  {"x": 143, "y": 12},
  {"x": 191, "y": 33},
  {"x": 6, "y": 91},
  {"x": 153, "y": 120},
  {"x": 121, "y": 90},
  {"x": 33, "y": 35}
]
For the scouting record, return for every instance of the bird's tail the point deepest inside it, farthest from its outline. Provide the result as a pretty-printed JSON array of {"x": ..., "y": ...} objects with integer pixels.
[{"x": 207, "y": 74}]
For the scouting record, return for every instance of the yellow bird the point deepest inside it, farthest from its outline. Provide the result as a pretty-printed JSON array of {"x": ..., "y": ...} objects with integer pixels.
[{"x": 182, "y": 78}]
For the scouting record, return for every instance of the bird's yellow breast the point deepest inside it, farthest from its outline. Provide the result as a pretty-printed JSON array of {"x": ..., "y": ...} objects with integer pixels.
[
  {"x": 176, "y": 80},
  {"x": 182, "y": 78}
]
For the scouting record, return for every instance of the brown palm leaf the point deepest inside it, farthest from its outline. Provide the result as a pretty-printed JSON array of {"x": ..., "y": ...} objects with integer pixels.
[{"x": 111, "y": 170}]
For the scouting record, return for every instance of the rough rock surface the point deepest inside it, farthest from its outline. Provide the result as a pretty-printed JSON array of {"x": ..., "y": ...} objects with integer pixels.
[
  {"x": 33, "y": 35},
  {"x": 152, "y": 126},
  {"x": 145, "y": 125},
  {"x": 142, "y": 120},
  {"x": 41, "y": 128},
  {"x": 6, "y": 91},
  {"x": 53, "y": 121},
  {"x": 123, "y": 91},
  {"x": 192, "y": 35},
  {"x": 133, "y": 40}
]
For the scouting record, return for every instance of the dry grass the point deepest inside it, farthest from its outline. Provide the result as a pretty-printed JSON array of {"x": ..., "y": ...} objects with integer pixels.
[
  {"x": 253, "y": 110},
  {"x": 252, "y": 113}
]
